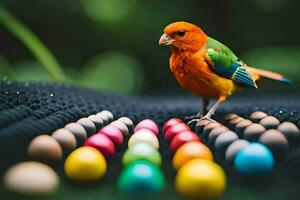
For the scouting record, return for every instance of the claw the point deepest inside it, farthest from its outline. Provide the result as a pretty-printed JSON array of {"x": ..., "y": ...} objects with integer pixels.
[
  {"x": 193, "y": 120},
  {"x": 207, "y": 118},
  {"x": 192, "y": 117}
]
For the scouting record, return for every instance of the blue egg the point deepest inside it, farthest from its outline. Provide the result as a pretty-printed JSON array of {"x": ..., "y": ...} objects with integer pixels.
[{"x": 254, "y": 159}]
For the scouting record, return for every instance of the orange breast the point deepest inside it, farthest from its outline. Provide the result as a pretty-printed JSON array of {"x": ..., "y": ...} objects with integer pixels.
[{"x": 193, "y": 74}]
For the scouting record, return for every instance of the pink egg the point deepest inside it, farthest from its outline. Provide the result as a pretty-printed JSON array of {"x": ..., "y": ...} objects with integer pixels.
[
  {"x": 171, "y": 122},
  {"x": 102, "y": 143},
  {"x": 147, "y": 124},
  {"x": 113, "y": 133},
  {"x": 176, "y": 129}
]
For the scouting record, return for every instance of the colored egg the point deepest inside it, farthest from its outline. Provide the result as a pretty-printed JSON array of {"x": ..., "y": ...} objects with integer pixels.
[
  {"x": 88, "y": 125},
  {"x": 98, "y": 122},
  {"x": 143, "y": 135},
  {"x": 208, "y": 127},
  {"x": 174, "y": 130},
  {"x": 232, "y": 123},
  {"x": 66, "y": 140},
  {"x": 234, "y": 148},
  {"x": 102, "y": 143},
  {"x": 242, "y": 125},
  {"x": 147, "y": 124},
  {"x": 32, "y": 179},
  {"x": 269, "y": 122},
  {"x": 224, "y": 140},
  {"x": 189, "y": 151},
  {"x": 200, "y": 125},
  {"x": 200, "y": 179},
  {"x": 254, "y": 159},
  {"x": 121, "y": 126},
  {"x": 257, "y": 116},
  {"x": 142, "y": 151},
  {"x": 44, "y": 148},
  {"x": 128, "y": 122},
  {"x": 78, "y": 131},
  {"x": 214, "y": 133},
  {"x": 290, "y": 131},
  {"x": 141, "y": 177},
  {"x": 171, "y": 122},
  {"x": 107, "y": 113},
  {"x": 104, "y": 118},
  {"x": 85, "y": 164},
  {"x": 253, "y": 132},
  {"x": 114, "y": 134},
  {"x": 182, "y": 138},
  {"x": 276, "y": 142},
  {"x": 230, "y": 116}
]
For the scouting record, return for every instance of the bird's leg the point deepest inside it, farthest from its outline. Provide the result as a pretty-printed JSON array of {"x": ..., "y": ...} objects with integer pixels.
[
  {"x": 205, "y": 103},
  {"x": 213, "y": 109}
]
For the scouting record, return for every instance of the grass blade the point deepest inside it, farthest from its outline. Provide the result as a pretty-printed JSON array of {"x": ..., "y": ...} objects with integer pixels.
[{"x": 33, "y": 43}]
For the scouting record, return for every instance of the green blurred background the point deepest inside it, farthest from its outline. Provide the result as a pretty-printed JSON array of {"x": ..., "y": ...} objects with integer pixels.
[{"x": 112, "y": 45}]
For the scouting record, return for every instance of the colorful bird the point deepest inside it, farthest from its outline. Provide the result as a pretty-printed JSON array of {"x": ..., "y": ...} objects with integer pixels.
[{"x": 206, "y": 67}]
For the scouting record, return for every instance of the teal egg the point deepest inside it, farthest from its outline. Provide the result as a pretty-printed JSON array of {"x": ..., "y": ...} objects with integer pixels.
[
  {"x": 141, "y": 177},
  {"x": 254, "y": 159},
  {"x": 142, "y": 151}
]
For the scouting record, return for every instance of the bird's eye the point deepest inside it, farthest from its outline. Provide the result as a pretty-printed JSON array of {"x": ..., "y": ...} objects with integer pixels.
[{"x": 180, "y": 33}]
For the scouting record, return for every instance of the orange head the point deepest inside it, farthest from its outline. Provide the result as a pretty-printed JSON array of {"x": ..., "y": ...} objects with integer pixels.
[{"x": 183, "y": 36}]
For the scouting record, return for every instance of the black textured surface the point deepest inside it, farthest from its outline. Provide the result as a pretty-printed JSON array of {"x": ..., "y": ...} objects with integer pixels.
[{"x": 30, "y": 109}]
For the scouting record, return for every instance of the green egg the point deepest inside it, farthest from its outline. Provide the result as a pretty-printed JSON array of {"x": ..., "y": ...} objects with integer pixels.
[
  {"x": 141, "y": 177},
  {"x": 142, "y": 151}
]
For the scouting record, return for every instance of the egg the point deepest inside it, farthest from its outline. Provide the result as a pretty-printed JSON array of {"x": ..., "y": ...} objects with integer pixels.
[
  {"x": 98, "y": 122},
  {"x": 269, "y": 122},
  {"x": 44, "y": 148},
  {"x": 88, "y": 125},
  {"x": 143, "y": 135},
  {"x": 32, "y": 179},
  {"x": 257, "y": 116},
  {"x": 224, "y": 140},
  {"x": 128, "y": 122},
  {"x": 121, "y": 126},
  {"x": 66, "y": 140},
  {"x": 78, "y": 131}
]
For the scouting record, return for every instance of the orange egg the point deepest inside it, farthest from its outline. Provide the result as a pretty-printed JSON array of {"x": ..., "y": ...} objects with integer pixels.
[{"x": 189, "y": 151}]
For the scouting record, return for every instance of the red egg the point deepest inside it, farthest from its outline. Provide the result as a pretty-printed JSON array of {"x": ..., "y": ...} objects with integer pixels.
[
  {"x": 182, "y": 138},
  {"x": 147, "y": 124},
  {"x": 174, "y": 130},
  {"x": 171, "y": 122},
  {"x": 102, "y": 143},
  {"x": 113, "y": 133}
]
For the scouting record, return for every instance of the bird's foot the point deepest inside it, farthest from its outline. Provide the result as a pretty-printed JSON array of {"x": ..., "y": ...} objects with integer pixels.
[
  {"x": 207, "y": 118},
  {"x": 192, "y": 117},
  {"x": 200, "y": 119},
  {"x": 192, "y": 121}
]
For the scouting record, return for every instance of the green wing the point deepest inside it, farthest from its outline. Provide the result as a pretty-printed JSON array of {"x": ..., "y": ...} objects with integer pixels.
[{"x": 226, "y": 64}]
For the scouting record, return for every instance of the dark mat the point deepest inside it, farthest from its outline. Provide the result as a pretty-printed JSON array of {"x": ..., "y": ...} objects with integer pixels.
[{"x": 30, "y": 109}]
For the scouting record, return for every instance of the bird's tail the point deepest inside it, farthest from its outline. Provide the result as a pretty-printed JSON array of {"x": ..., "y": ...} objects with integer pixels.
[{"x": 256, "y": 73}]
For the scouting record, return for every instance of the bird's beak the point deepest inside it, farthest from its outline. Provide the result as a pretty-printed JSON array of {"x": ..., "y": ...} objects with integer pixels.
[{"x": 165, "y": 40}]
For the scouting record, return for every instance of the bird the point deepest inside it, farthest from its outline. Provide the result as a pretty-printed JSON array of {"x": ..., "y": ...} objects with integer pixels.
[{"x": 208, "y": 68}]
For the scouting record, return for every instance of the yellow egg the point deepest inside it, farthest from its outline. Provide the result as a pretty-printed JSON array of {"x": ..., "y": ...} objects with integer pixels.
[
  {"x": 144, "y": 135},
  {"x": 200, "y": 179},
  {"x": 85, "y": 164}
]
